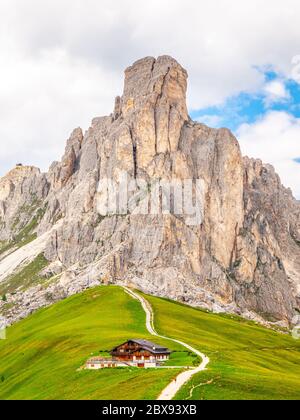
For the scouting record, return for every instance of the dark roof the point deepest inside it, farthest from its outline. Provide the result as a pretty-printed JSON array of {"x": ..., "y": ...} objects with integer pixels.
[{"x": 148, "y": 345}]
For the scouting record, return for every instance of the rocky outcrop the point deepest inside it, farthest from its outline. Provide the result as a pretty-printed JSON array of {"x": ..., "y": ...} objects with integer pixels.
[
  {"x": 22, "y": 198},
  {"x": 244, "y": 255},
  {"x": 267, "y": 266},
  {"x": 60, "y": 173}
]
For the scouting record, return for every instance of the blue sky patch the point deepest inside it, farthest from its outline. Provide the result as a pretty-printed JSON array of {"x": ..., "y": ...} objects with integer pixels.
[{"x": 248, "y": 108}]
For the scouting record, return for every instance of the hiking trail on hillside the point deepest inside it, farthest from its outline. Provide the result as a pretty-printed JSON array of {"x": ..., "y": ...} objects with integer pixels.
[{"x": 172, "y": 389}]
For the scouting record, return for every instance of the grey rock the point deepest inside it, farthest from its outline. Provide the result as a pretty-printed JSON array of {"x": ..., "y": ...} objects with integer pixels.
[{"x": 245, "y": 256}]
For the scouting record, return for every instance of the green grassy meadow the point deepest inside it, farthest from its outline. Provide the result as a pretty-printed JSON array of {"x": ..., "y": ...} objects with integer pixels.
[
  {"x": 247, "y": 360},
  {"x": 42, "y": 355}
]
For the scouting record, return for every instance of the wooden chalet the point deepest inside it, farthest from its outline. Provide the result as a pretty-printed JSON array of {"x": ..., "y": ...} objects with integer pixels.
[
  {"x": 140, "y": 351},
  {"x": 136, "y": 353}
]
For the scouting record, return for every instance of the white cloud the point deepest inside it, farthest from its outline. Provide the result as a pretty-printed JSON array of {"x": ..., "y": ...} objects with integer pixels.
[
  {"x": 62, "y": 61},
  {"x": 275, "y": 91},
  {"x": 214, "y": 121},
  {"x": 43, "y": 99},
  {"x": 275, "y": 139},
  {"x": 295, "y": 73}
]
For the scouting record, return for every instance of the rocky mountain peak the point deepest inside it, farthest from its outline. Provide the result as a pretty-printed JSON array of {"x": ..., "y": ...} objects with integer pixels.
[
  {"x": 243, "y": 256},
  {"x": 14, "y": 178},
  {"x": 155, "y": 80},
  {"x": 19, "y": 171},
  {"x": 152, "y": 110}
]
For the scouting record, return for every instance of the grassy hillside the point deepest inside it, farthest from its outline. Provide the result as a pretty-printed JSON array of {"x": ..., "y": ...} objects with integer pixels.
[
  {"x": 40, "y": 358},
  {"x": 42, "y": 354},
  {"x": 247, "y": 361}
]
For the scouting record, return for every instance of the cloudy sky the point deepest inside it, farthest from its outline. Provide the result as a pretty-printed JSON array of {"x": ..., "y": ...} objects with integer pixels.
[{"x": 62, "y": 62}]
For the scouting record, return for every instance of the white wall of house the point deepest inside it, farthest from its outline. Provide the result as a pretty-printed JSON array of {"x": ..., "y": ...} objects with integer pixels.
[
  {"x": 149, "y": 365},
  {"x": 105, "y": 365},
  {"x": 152, "y": 362}
]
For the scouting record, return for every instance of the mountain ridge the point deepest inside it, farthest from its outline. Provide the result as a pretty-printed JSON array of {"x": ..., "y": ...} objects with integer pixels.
[{"x": 243, "y": 258}]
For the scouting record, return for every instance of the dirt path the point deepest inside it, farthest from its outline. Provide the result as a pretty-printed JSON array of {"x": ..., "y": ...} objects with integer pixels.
[{"x": 171, "y": 390}]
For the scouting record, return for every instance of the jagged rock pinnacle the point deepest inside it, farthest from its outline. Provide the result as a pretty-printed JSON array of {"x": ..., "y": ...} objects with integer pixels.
[
  {"x": 150, "y": 78},
  {"x": 153, "y": 106}
]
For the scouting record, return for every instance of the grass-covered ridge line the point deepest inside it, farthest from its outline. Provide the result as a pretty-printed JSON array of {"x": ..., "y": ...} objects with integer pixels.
[{"x": 246, "y": 361}]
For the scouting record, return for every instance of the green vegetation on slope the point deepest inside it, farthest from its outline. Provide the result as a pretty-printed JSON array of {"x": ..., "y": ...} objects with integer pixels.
[
  {"x": 28, "y": 276},
  {"x": 27, "y": 233},
  {"x": 41, "y": 357},
  {"x": 42, "y": 354},
  {"x": 247, "y": 361}
]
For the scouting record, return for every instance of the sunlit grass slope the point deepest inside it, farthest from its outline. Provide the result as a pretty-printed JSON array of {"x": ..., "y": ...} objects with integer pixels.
[
  {"x": 42, "y": 354},
  {"x": 40, "y": 358},
  {"x": 247, "y": 361}
]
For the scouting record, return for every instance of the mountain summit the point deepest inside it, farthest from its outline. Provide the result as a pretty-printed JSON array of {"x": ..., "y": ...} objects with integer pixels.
[{"x": 244, "y": 256}]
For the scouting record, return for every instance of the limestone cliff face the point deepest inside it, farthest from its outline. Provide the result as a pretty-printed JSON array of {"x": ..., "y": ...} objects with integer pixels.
[{"x": 245, "y": 255}]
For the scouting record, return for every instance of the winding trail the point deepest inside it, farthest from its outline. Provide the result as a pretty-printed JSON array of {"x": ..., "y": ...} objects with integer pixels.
[{"x": 171, "y": 390}]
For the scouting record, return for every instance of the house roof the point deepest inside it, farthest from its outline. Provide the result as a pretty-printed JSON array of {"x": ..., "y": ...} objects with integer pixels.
[{"x": 148, "y": 345}]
